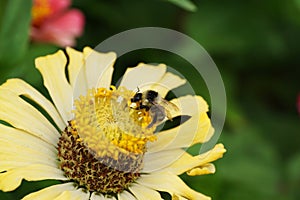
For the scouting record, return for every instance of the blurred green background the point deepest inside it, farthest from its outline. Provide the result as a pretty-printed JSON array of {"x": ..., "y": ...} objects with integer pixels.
[{"x": 256, "y": 47}]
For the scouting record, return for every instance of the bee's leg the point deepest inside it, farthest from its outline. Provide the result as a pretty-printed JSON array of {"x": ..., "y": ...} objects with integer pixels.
[
  {"x": 169, "y": 115},
  {"x": 135, "y": 108},
  {"x": 147, "y": 108}
]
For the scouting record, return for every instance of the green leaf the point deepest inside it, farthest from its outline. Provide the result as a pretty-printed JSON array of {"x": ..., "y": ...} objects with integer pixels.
[
  {"x": 14, "y": 31},
  {"x": 293, "y": 176},
  {"x": 26, "y": 69},
  {"x": 185, "y": 4},
  {"x": 2, "y": 9},
  {"x": 297, "y": 3},
  {"x": 293, "y": 167}
]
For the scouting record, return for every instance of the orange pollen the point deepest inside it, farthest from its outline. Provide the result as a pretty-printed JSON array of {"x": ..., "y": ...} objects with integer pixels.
[{"x": 40, "y": 11}]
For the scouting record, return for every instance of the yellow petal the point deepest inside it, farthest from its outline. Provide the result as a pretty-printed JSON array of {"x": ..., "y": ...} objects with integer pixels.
[
  {"x": 20, "y": 87},
  {"x": 168, "y": 182},
  {"x": 76, "y": 63},
  {"x": 160, "y": 160},
  {"x": 22, "y": 115},
  {"x": 110, "y": 198},
  {"x": 201, "y": 170},
  {"x": 144, "y": 193},
  {"x": 19, "y": 137},
  {"x": 197, "y": 129},
  {"x": 73, "y": 195},
  {"x": 12, "y": 155},
  {"x": 97, "y": 196},
  {"x": 176, "y": 197},
  {"x": 17, "y": 145},
  {"x": 12, "y": 179},
  {"x": 76, "y": 69},
  {"x": 50, "y": 193},
  {"x": 143, "y": 76},
  {"x": 188, "y": 162},
  {"x": 125, "y": 196},
  {"x": 23, "y": 154},
  {"x": 99, "y": 67},
  {"x": 190, "y": 105},
  {"x": 52, "y": 68},
  {"x": 168, "y": 82}
]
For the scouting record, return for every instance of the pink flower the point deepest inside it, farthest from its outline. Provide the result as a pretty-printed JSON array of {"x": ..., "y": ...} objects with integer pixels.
[{"x": 52, "y": 22}]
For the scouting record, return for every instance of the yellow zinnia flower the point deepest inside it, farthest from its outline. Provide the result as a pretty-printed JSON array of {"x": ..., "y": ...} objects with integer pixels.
[{"x": 91, "y": 138}]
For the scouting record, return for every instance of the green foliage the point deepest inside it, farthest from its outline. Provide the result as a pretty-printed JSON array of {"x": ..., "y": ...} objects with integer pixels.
[
  {"x": 293, "y": 176},
  {"x": 15, "y": 20},
  {"x": 185, "y": 4}
]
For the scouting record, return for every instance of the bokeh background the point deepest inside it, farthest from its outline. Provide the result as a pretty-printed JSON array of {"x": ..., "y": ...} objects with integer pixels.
[{"x": 255, "y": 45}]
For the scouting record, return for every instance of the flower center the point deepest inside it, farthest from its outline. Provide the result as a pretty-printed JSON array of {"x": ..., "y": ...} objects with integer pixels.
[
  {"x": 40, "y": 11},
  {"x": 102, "y": 148}
]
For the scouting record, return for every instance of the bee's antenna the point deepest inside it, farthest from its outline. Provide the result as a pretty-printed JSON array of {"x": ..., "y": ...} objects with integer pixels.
[{"x": 138, "y": 89}]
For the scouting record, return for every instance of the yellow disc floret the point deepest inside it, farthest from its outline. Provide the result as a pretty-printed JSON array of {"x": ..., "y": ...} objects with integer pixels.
[
  {"x": 102, "y": 148},
  {"x": 108, "y": 125}
]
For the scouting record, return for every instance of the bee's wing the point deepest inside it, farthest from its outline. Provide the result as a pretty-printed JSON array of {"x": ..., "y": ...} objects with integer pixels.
[
  {"x": 157, "y": 113},
  {"x": 169, "y": 107}
]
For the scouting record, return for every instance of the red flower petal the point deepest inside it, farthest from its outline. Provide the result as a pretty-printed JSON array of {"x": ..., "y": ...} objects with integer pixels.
[
  {"x": 59, "y": 5},
  {"x": 61, "y": 29}
]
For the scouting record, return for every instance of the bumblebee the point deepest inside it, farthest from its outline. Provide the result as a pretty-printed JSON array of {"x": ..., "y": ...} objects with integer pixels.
[{"x": 158, "y": 107}]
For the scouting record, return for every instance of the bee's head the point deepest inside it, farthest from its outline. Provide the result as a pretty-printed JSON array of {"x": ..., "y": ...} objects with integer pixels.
[{"x": 137, "y": 97}]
